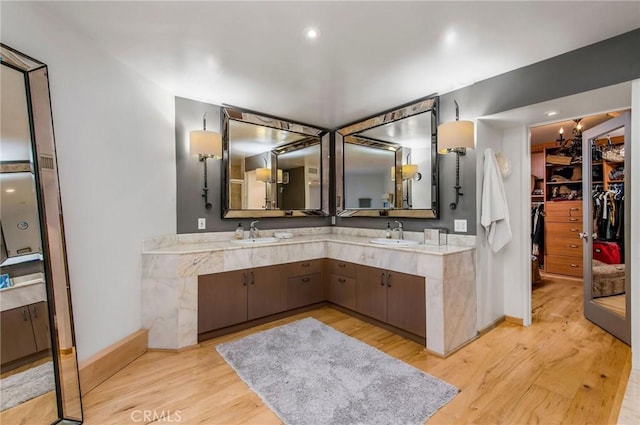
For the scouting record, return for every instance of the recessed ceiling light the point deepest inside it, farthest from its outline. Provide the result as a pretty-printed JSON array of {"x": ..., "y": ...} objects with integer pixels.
[
  {"x": 551, "y": 113},
  {"x": 311, "y": 33},
  {"x": 10, "y": 190}
]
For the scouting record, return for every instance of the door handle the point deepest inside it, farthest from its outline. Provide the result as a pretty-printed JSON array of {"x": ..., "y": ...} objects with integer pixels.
[
  {"x": 341, "y": 280},
  {"x": 306, "y": 279},
  {"x": 34, "y": 310},
  {"x": 381, "y": 279},
  {"x": 584, "y": 235},
  {"x": 24, "y": 314},
  {"x": 342, "y": 265},
  {"x": 305, "y": 264},
  {"x": 253, "y": 278},
  {"x": 244, "y": 279},
  {"x": 573, "y": 245},
  {"x": 574, "y": 209},
  {"x": 389, "y": 280},
  {"x": 573, "y": 219}
]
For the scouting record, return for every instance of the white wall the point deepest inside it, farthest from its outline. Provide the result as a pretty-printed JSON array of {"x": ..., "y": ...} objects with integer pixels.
[
  {"x": 635, "y": 225},
  {"x": 489, "y": 267},
  {"x": 517, "y": 299},
  {"x": 116, "y": 155}
]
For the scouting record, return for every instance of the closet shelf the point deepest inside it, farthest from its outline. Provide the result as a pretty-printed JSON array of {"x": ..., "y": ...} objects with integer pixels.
[{"x": 567, "y": 182}]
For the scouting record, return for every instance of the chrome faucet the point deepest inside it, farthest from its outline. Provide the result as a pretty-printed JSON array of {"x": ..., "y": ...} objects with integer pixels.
[
  {"x": 399, "y": 230},
  {"x": 253, "y": 230}
]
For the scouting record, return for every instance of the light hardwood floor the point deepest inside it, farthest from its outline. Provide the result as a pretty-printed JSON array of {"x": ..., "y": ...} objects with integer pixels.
[{"x": 562, "y": 369}]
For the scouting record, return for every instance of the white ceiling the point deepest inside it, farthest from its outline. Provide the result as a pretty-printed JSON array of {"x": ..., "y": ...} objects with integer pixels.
[{"x": 370, "y": 56}]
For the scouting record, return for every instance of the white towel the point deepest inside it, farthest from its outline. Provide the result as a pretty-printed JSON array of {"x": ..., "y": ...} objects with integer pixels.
[{"x": 495, "y": 212}]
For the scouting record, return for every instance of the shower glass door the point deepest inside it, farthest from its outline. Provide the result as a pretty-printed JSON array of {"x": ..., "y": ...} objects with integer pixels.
[{"x": 606, "y": 225}]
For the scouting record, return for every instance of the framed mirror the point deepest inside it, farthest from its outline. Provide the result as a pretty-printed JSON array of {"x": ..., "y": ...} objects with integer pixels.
[
  {"x": 40, "y": 381},
  {"x": 273, "y": 167},
  {"x": 386, "y": 165}
]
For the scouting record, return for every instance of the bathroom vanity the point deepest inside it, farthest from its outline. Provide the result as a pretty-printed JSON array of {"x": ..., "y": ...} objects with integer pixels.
[{"x": 184, "y": 274}]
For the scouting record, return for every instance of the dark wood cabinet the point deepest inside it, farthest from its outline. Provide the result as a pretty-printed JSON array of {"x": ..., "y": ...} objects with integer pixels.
[
  {"x": 406, "y": 302},
  {"x": 24, "y": 331},
  {"x": 305, "y": 283},
  {"x": 230, "y": 298},
  {"x": 222, "y": 300},
  {"x": 392, "y": 297},
  {"x": 267, "y": 291},
  {"x": 371, "y": 292},
  {"x": 342, "y": 283}
]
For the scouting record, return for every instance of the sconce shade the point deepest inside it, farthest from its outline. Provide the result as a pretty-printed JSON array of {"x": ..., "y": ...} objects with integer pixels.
[
  {"x": 279, "y": 176},
  {"x": 455, "y": 135},
  {"x": 206, "y": 143},
  {"x": 393, "y": 173},
  {"x": 263, "y": 175},
  {"x": 409, "y": 171}
]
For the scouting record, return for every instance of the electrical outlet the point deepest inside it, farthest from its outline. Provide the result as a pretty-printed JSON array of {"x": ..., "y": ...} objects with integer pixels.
[
  {"x": 460, "y": 225},
  {"x": 202, "y": 223}
]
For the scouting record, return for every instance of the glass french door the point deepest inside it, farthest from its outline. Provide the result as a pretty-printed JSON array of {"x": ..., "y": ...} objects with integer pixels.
[{"x": 606, "y": 226}]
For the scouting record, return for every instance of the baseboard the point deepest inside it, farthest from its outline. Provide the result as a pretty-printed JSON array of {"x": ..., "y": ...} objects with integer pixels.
[
  {"x": 104, "y": 364},
  {"x": 492, "y": 325},
  {"x": 514, "y": 320}
]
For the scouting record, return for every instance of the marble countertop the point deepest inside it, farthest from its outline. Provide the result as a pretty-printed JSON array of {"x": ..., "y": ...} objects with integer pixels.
[
  {"x": 26, "y": 290},
  {"x": 228, "y": 244}
]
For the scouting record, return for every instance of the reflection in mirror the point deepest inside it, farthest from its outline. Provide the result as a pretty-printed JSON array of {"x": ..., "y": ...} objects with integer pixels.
[
  {"x": 387, "y": 163},
  {"x": 273, "y": 168},
  {"x": 38, "y": 360}
]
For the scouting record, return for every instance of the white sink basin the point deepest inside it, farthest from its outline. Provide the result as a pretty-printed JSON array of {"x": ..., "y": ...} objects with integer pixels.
[
  {"x": 396, "y": 242},
  {"x": 254, "y": 241}
]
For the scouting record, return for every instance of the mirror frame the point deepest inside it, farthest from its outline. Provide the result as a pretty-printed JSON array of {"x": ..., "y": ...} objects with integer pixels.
[
  {"x": 420, "y": 106},
  {"x": 63, "y": 347},
  {"x": 232, "y": 113}
]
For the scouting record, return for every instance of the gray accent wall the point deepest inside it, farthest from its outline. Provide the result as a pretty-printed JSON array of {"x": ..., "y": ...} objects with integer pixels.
[{"x": 598, "y": 65}]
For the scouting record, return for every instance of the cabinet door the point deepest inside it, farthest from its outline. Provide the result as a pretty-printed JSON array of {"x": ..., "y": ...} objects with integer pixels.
[
  {"x": 16, "y": 334},
  {"x": 342, "y": 291},
  {"x": 40, "y": 323},
  {"x": 371, "y": 292},
  {"x": 304, "y": 290},
  {"x": 267, "y": 291},
  {"x": 222, "y": 300},
  {"x": 406, "y": 303}
]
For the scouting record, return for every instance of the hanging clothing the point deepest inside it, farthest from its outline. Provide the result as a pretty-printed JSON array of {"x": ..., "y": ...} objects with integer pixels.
[
  {"x": 494, "y": 215},
  {"x": 537, "y": 229}
]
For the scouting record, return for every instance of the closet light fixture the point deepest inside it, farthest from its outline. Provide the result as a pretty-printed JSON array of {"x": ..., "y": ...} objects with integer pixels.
[
  {"x": 206, "y": 144},
  {"x": 456, "y": 137}
]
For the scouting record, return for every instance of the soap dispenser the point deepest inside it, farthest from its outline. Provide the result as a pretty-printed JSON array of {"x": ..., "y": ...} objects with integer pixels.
[
  {"x": 388, "y": 233},
  {"x": 239, "y": 231}
]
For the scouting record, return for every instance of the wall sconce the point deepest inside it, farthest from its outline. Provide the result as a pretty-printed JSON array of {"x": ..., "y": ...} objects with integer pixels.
[
  {"x": 455, "y": 136},
  {"x": 409, "y": 171},
  {"x": 205, "y": 144}
]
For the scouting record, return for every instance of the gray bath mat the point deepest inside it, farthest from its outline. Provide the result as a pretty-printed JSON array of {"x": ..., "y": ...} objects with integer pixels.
[
  {"x": 309, "y": 373},
  {"x": 23, "y": 386}
]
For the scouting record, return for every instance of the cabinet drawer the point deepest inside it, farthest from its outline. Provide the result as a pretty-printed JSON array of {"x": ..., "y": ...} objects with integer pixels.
[
  {"x": 563, "y": 230},
  {"x": 342, "y": 291},
  {"x": 565, "y": 247},
  {"x": 342, "y": 268},
  {"x": 304, "y": 290},
  {"x": 564, "y": 211},
  {"x": 563, "y": 265},
  {"x": 302, "y": 268}
]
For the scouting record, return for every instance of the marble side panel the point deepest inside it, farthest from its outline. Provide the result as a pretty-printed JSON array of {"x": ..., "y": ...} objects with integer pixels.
[
  {"x": 461, "y": 263},
  {"x": 160, "y": 266},
  {"x": 461, "y": 240},
  {"x": 459, "y": 310},
  {"x": 435, "y": 316},
  {"x": 430, "y": 266},
  {"x": 188, "y": 312},
  {"x": 237, "y": 259},
  {"x": 200, "y": 263},
  {"x": 159, "y": 242},
  {"x": 160, "y": 305}
]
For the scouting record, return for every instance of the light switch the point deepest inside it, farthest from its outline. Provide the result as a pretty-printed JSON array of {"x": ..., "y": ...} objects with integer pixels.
[
  {"x": 202, "y": 223},
  {"x": 460, "y": 225}
]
